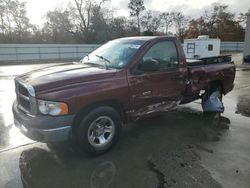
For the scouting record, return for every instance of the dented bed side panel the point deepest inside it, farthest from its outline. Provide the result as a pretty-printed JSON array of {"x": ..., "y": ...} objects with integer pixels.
[{"x": 201, "y": 76}]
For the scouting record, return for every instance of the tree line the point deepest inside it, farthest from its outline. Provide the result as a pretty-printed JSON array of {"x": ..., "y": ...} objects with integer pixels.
[{"x": 89, "y": 21}]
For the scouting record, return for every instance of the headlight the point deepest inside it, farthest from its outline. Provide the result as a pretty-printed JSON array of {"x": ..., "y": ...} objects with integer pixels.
[{"x": 52, "y": 108}]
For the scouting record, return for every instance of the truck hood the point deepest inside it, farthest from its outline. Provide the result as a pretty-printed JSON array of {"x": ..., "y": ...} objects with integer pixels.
[{"x": 65, "y": 74}]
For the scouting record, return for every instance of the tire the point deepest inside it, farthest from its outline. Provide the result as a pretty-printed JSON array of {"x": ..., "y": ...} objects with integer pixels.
[
  {"x": 214, "y": 87},
  {"x": 99, "y": 130}
]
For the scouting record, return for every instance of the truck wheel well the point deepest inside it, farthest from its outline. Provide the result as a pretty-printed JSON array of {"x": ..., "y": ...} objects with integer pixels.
[
  {"x": 116, "y": 105},
  {"x": 215, "y": 84}
]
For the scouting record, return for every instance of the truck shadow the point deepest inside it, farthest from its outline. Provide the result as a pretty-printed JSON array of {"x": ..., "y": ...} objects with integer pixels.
[{"x": 156, "y": 152}]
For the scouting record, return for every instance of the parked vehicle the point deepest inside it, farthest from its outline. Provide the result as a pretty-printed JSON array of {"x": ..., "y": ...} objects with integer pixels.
[
  {"x": 247, "y": 59},
  {"x": 122, "y": 81}
]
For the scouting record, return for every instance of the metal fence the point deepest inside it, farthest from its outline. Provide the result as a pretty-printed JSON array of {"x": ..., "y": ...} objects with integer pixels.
[
  {"x": 232, "y": 46},
  {"x": 41, "y": 52}
]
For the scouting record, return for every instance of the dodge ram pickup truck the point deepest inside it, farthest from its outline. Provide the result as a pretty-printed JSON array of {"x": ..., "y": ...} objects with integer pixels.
[{"x": 122, "y": 81}]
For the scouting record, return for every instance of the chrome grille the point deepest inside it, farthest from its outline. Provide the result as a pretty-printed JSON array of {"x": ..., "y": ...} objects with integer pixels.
[{"x": 25, "y": 97}]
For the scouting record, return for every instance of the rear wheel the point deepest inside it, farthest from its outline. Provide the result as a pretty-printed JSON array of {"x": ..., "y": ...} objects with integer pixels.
[{"x": 99, "y": 130}]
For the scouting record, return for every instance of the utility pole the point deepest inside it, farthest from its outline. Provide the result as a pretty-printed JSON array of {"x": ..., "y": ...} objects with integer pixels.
[{"x": 246, "y": 53}]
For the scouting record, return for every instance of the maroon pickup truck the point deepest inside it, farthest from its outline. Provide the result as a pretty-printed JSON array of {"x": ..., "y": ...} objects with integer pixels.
[{"x": 122, "y": 81}]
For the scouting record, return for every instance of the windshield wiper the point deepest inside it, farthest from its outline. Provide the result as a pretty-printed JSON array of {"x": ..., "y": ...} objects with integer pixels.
[
  {"x": 105, "y": 60},
  {"x": 93, "y": 64}
]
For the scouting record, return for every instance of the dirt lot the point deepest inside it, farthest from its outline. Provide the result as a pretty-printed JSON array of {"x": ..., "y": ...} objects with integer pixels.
[{"x": 179, "y": 149}]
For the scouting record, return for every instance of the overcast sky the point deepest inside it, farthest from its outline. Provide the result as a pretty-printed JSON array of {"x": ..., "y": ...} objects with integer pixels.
[{"x": 36, "y": 9}]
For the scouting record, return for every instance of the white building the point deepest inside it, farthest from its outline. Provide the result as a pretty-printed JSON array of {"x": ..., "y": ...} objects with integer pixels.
[{"x": 201, "y": 47}]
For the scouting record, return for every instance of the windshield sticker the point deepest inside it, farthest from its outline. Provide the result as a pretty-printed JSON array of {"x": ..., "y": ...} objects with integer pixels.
[
  {"x": 136, "y": 46},
  {"x": 120, "y": 64}
]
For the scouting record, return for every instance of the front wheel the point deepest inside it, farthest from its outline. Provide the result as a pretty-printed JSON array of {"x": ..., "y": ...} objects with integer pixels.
[{"x": 99, "y": 130}]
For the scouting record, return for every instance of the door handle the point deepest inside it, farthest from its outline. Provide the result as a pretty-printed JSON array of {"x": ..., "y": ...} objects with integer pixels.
[
  {"x": 176, "y": 77},
  {"x": 146, "y": 93}
]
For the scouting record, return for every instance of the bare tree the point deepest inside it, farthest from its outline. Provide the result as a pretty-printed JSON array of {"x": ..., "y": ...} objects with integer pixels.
[
  {"x": 57, "y": 27},
  {"x": 2, "y": 18},
  {"x": 242, "y": 18},
  {"x": 117, "y": 27},
  {"x": 81, "y": 16},
  {"x": 136, "y": 7},
  {"x": 17, "y": 11},
  {"x": 151, "y": 22},
  {"x": 14, "y": 24},
  {"x": 180, "y": 23},
  {"x": 197, "y": 27},
  {"x": 166, "y": 18},
  {"x": 217, "y": 22}
]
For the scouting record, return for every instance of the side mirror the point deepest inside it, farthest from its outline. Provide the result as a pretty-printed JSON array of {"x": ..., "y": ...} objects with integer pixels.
[{"x": 150, "y": 65}]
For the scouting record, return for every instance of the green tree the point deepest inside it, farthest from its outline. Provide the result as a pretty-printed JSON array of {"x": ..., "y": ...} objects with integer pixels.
[{"x": 136, "y": 7}]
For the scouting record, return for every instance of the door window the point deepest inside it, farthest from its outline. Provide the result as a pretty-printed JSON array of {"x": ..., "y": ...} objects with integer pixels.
[
  {"x": 210, "y": 47},
  {"x": 190, "y": 48},
  {"x": 165, "y": 53}
]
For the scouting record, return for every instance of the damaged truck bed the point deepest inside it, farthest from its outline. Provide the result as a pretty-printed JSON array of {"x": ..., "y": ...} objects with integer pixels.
[{"x": 124, "y": 80}]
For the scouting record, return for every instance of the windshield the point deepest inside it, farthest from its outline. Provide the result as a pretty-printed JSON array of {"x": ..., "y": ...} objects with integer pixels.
[{"x": 114, "y": 54}]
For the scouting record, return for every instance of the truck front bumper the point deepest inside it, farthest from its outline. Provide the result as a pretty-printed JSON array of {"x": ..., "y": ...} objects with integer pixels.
[{"x": 43, "y": 128}]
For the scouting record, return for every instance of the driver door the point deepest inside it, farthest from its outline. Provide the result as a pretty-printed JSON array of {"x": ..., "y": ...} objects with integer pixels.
[{"x": 158, "y": 90}]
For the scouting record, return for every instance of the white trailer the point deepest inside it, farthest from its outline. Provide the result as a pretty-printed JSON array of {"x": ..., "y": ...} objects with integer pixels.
[{"x": 201, "y": 47}]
